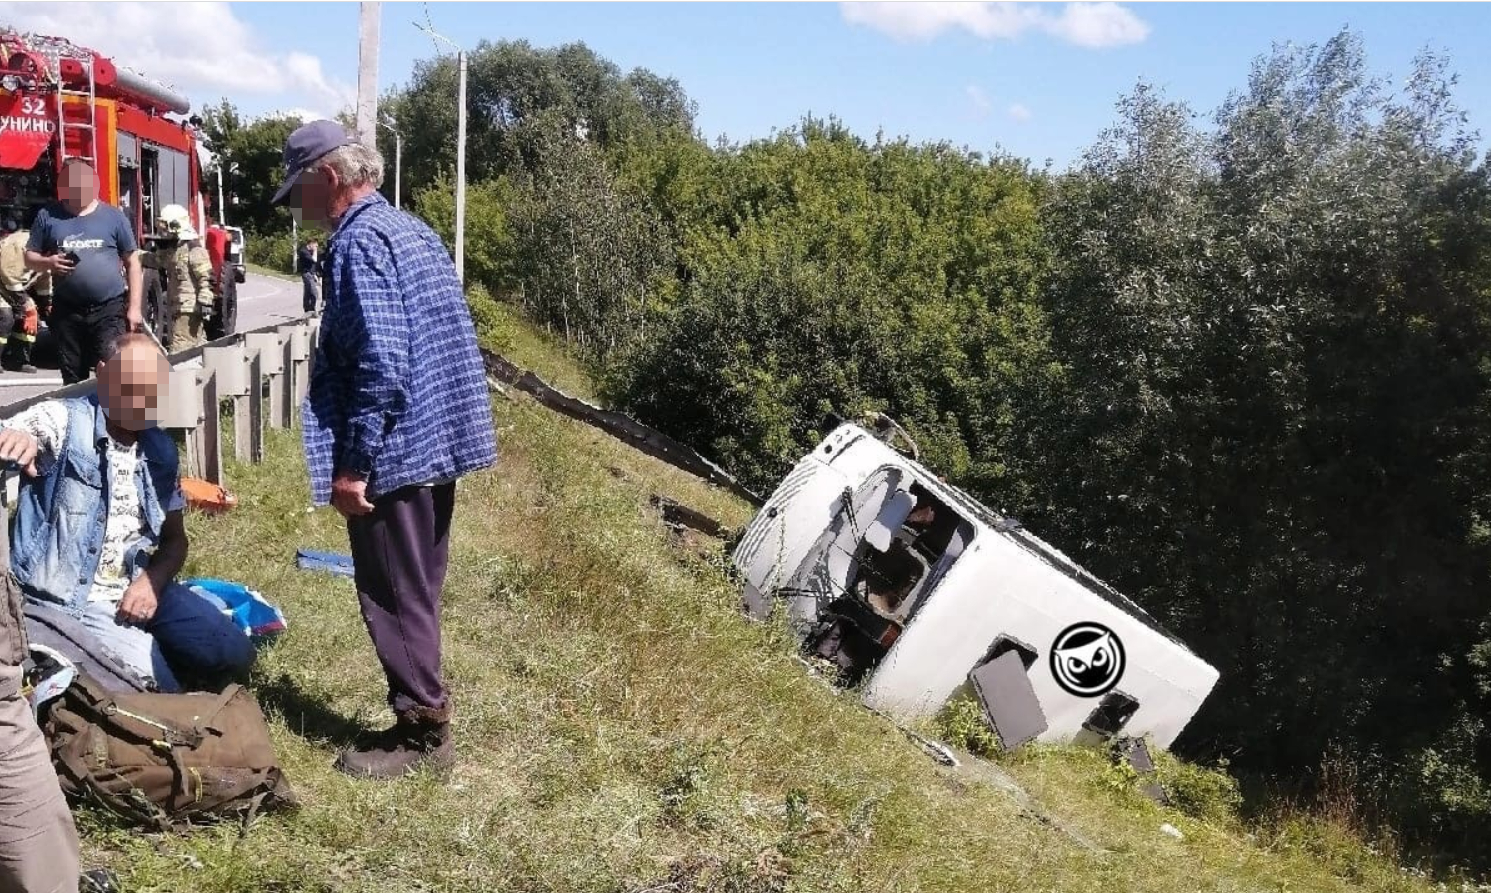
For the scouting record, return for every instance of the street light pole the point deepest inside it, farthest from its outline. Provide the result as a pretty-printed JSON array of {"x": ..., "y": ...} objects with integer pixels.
[
  {"x": 460, "y": 152},
  {"x": 398, "y": 158}
]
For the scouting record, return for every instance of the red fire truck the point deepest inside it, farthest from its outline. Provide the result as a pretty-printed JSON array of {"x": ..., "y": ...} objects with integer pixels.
[{"x": 59, "y": 101}]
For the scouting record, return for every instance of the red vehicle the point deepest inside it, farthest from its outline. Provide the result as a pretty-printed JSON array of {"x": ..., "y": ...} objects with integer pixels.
[{"x": 59, "y": 101}]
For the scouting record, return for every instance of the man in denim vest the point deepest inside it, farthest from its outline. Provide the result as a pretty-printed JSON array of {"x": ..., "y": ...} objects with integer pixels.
[{"x": 99, "y": 534}]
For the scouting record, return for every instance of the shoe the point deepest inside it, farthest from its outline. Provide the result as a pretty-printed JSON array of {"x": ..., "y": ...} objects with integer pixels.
[
  {"x": 99, "y": 880},
  {"x": 411, "y": 744}
]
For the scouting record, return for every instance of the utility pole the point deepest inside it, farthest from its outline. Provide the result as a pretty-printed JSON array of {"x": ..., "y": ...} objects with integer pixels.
[
  {"x": 460, "y": 152},
  {"x": 367, "y": 74}
]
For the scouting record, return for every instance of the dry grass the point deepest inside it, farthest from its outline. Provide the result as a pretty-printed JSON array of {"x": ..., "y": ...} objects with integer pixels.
[{"x": 622, "y": 728}]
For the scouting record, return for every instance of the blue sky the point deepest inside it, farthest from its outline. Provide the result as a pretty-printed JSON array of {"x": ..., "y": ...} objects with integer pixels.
[{"x": 1038, "y": 79}]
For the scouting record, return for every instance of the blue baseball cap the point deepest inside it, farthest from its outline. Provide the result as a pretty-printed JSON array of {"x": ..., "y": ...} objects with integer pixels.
[{"x": 308, "y": 145}]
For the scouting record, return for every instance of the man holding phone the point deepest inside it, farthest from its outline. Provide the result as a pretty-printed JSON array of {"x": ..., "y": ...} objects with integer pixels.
[{"x": 87, "y": 245}]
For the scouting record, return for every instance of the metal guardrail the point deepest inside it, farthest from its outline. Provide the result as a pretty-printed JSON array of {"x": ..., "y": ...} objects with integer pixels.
[
  {"x": 272, "y": 362},
  {"x": 640, "y": 437}
]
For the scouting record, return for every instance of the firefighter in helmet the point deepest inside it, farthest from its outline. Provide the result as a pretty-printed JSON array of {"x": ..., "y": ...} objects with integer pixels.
[
  {"x": 19, "y": 290},
  {"x": 186, "y": 277}
]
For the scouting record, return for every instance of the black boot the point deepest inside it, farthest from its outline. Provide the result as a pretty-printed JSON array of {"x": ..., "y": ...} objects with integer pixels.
[{"x": 420, "y": 738}]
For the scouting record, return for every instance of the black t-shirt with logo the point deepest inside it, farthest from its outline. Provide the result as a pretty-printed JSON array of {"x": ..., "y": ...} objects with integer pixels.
[{"x": 98, "y": 238}]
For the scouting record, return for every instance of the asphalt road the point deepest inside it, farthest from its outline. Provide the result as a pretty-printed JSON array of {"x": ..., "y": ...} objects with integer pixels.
[{"x": 262, "y": 301}]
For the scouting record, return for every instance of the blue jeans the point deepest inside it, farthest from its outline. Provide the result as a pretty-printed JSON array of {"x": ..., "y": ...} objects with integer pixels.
[{"x": 187, "y": 632}]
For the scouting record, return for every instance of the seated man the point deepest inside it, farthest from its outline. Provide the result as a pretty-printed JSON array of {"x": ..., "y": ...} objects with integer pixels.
[{"x": 99, "y": 535}]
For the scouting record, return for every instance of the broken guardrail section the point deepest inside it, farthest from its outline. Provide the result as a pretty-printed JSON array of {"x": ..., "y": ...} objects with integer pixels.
[{"x": 628, "y": 430}]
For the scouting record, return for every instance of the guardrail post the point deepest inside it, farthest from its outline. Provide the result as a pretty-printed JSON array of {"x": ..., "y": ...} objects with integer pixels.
[
  {"x": 252, "y": 427},
  {"x": 287, "y": 385},
  {"x": 209, "y": 434},
  {"x": 183, "y": 412},
  {"x": 271, "y": 349},
  {"x": 298, "y": 338},
  {"x": 229, "y": 367}
]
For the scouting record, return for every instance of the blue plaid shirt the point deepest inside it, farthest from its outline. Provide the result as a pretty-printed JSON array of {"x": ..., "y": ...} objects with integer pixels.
[{"x": 398, "y": 391}]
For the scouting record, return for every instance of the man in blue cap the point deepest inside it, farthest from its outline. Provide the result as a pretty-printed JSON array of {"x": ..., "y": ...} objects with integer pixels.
[{"x": 397, "y": 411}]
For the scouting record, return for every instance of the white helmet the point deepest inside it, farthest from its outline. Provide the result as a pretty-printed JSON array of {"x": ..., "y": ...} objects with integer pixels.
[{"x": 174, "y": 220}]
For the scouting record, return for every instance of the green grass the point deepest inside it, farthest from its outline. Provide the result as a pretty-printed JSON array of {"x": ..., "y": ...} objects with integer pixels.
[{"x": 621, "y": 727}]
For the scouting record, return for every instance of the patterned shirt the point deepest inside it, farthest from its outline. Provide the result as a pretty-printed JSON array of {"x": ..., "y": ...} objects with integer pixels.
[{"x": 398, "y": 389}]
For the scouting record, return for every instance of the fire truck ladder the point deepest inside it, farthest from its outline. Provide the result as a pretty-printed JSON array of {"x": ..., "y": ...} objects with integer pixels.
[{"x": 57, "y": 52}]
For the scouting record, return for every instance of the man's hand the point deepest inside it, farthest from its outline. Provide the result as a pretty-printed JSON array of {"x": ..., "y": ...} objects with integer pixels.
[
  {"x": 139, "y": 602},
  {"x": 58, "y": 264},
  {"x": 134, "y": 320},
  {"x": 349, "y": 495},
  {"x": 19, "y": 447}
]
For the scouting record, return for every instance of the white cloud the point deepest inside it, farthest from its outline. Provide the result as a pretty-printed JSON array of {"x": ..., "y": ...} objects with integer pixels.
[
  {"x": 201, "y": 49},
  {"x": 980, "y": 100},
  {"x": 1018, "y": 112},
  {"x": 1100, "y": 24}
]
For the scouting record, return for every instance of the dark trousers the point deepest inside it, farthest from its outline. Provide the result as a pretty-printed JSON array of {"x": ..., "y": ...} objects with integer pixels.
[
  {"x": 399, "y": 555},
  {"x": 83, "y": 334},
  {"x": 310, "y": 292}
]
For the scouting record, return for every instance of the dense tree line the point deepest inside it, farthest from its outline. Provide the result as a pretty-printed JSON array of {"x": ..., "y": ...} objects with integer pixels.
[{"x": 1241, "y": 367}]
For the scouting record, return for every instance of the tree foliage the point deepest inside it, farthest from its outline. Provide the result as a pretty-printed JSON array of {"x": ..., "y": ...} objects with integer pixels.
[
  {"x": 1274, "y": 431},
  {"x": 514, "y": 88},
  {"x": 251, "y": 153}
]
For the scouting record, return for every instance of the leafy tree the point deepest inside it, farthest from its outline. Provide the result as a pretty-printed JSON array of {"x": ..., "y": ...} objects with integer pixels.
[
  {"x": 589, "y": 250},
  {"x": 252, "y": 153},
  {"x": 829, "y": 277},
  {"x": 510, "y": 87},
  {"x": 491, "y": 253},
  {"x": 1275, "y": 427}
]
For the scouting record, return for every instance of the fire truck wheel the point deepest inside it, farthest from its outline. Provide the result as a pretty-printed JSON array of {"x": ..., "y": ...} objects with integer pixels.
[
  {"x": 150, "y": 306},
  {"x": 224, "y": 321}
]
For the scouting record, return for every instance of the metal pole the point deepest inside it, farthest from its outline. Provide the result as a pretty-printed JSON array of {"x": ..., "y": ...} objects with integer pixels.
[
  {"x": 461, "y": 173},
  {"x": 367, "y": 74},
  {"x": 222, "y": 206},
  {"x": 388, "y": 123}
]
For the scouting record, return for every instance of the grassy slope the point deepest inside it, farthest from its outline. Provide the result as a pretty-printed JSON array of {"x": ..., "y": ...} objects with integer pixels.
[{"x": 622, "y": 728}]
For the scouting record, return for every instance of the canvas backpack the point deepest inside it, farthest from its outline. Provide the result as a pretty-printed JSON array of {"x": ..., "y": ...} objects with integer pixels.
[{"x": 165, "y": 761}]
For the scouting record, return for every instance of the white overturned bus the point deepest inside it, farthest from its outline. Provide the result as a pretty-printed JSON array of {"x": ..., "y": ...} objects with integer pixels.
[{"x": 916, "y": 591}]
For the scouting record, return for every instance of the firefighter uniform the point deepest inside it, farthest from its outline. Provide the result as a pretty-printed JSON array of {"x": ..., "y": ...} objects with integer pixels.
[
  {"x": 185, "y": 269},
  {"x": 19, "y": 316},
  {"x": 187, "y": 291}
]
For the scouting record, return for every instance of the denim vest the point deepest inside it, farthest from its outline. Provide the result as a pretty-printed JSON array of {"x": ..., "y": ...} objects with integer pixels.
[{"x": 61, "y": 516}]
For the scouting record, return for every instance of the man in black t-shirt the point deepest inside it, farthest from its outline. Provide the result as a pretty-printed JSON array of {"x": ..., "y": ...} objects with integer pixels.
[{"x": 87, "y": 245}]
